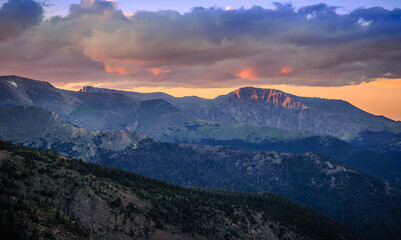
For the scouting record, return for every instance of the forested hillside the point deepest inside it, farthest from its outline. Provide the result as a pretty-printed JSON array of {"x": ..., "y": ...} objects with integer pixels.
[{"x": 44, "y": 195}]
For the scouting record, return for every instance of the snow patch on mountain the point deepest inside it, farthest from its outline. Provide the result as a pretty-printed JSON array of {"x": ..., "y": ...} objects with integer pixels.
[{"x": 14, "y": 84}]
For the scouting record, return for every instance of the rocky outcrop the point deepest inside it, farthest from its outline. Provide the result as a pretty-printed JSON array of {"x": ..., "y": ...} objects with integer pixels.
[{"x": 272, "y": 97}]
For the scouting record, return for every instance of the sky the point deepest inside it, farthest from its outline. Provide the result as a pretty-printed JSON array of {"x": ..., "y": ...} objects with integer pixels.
[
  {"x": 348, "y": 50},
  {"x": 183, "y": 6}
]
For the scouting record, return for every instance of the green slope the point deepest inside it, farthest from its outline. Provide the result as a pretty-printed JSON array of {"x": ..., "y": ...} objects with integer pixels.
[{"x": 47, "y": 196}]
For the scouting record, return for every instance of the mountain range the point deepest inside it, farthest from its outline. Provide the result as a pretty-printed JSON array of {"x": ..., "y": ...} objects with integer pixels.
[
  {"x": 318, "y": 152},
  {"x": 280, "y": 110},
  {"x": 276, "y": 109},
  {"x": 263, "y": 107},
  {"x": 366, "y": 204},
  {"x": 170, "y": 119},
  {"x": 110, "y": 111}
]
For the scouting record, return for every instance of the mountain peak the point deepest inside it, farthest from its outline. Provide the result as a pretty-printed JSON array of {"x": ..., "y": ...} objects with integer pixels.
[
  {"x": 252, "y": 92},
  {"x": 87, "y": 89},
  {"x": 15, "y": 81},
  {"x": 268, "y": 96}
]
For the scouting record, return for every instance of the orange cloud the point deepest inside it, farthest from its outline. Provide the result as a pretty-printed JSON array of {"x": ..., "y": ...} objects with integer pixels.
[
  {"x": 108, "y": 69},
  {"x": 247, "y": 73},
  {"x": 286, "y": 70},
  {"x": 120, "y": 70},
  {"x": 157, "y": 71}
]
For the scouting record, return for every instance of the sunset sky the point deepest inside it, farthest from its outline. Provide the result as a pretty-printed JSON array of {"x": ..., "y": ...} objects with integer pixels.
[{"x": 347, "y": 50}]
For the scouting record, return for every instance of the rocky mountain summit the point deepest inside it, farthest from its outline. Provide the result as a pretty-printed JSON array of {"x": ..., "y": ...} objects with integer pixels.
[
  {"x": 265, "y": 96},
  {"x": 277, "y": 109}
]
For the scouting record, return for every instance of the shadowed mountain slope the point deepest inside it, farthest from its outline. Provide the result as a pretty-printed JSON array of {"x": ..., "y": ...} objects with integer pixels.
[
  {"x": 48, "y": 196},
  {"x": 365, "y": 203}
]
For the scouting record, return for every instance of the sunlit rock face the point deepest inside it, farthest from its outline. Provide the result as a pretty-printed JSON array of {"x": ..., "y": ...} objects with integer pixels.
[
  {"x": 277, "y": 109},
  {"x": 268, "y": 107},
  {"x": 272, "y": 97}
]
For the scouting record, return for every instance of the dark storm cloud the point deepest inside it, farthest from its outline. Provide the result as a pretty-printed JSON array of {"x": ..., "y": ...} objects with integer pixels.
[
  {"x": 312, "y": 45},
  {"x": 18, "y": 15}
]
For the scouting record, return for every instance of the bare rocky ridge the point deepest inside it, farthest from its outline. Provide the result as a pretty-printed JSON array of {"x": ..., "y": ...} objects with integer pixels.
[{"x": 266, "y": 96}]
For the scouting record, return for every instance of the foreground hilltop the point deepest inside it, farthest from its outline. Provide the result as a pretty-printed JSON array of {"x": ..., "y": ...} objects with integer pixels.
[{"x": 45, "y": 195}]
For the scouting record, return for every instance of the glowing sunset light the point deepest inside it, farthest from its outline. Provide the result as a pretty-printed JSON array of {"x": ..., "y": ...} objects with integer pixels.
[
  {"x": 108, "y": 69},
  {"x": 286, "y": 70},
  {"x": 247, "y": 74},
  {"x": 157, "y": 71},
  {"x": 120, "y": 70}
]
